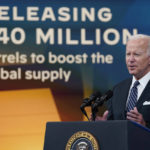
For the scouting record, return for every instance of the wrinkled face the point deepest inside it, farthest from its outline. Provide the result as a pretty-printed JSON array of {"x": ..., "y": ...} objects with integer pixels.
[{"x": 137, "y": 59}]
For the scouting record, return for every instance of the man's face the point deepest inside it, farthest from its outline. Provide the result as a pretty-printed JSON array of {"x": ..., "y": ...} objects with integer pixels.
[{"x": 137, "y": 59}]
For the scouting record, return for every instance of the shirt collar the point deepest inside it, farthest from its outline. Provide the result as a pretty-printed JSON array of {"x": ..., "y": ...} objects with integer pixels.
[{"x": 143, "y": 81}]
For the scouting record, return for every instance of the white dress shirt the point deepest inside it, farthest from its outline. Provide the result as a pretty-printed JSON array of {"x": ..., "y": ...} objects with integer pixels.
[{"x": 143, "y": 82}]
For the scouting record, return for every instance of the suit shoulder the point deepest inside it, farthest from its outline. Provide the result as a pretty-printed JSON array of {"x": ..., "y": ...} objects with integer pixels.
[{"x": 123, "y": 83}]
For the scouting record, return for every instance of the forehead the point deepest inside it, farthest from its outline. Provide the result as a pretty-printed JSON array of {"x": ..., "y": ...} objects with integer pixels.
[{"x": 137, "y": 44}]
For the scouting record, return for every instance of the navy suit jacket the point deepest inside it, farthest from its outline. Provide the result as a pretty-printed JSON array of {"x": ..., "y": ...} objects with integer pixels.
[{"x": 117, "y": 104}]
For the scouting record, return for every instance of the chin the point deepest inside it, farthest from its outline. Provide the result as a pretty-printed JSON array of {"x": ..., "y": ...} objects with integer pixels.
[{"x": 132, "y": 73}]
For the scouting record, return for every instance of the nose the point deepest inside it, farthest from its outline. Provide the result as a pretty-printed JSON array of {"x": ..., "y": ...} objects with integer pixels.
[{"x": 131, "y": 58}]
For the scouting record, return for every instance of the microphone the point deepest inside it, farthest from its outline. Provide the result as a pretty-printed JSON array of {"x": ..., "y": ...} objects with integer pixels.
[
  {"x": 99, "y": 101},
  {"x": 88, "y": 102}
]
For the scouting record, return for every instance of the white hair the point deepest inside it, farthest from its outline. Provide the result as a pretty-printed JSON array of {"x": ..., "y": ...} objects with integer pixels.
[{"x": 141, "y": 36}]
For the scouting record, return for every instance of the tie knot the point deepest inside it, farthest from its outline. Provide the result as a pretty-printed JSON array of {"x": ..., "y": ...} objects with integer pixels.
[{"x": 136, "y": 83}]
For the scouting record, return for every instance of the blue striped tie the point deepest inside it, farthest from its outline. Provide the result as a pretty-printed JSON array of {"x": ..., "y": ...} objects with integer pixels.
[{"x": 133, "y": 96}]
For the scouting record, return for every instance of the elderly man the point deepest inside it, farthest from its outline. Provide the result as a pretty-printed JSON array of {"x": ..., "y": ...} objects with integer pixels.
[{"x": 131, "y": 98}]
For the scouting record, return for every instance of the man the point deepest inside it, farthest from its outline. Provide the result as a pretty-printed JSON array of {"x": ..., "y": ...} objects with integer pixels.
[{"x": 138, "y": 64}]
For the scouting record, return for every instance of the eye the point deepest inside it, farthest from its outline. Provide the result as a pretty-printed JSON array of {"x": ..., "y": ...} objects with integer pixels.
[{"x": 137, "y": 54}]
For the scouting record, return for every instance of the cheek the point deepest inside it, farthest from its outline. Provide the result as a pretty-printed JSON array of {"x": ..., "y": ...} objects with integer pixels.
[
  {"x": 143, "y": 64},
  {"x": 127, "y": 60},
  {"x": 149, "y": 61}
]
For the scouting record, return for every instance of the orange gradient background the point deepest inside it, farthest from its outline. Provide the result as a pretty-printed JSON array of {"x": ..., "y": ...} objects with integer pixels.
[
  {"x": 24, "y": 114},
  {"x": 23, "y": 117}
]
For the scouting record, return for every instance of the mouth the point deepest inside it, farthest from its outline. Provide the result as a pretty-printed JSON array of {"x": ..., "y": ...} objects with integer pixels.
[{"x": 131, "y": 67}]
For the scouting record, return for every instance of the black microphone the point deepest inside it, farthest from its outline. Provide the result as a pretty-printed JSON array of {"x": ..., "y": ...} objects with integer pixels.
[
  {"x": 88, "y": 102},
  {"x": 100, "y": 100}
]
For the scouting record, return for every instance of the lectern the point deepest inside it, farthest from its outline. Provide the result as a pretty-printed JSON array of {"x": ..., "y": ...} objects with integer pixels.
[{"x": 110, "y": 135}]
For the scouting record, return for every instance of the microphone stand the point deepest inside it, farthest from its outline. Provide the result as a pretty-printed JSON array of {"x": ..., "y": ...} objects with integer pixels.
[
  {"x": 95, "y": 108},
  {"x": 84, "y": 112},
  {"x": 85, "y": 103},
  {"x": 94, "y": 111}
]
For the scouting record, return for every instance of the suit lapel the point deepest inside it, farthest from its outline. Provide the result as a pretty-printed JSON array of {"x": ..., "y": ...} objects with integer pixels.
[
  {"x": 144, "y": 97},
  {"x": 124, "y": 96}
]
